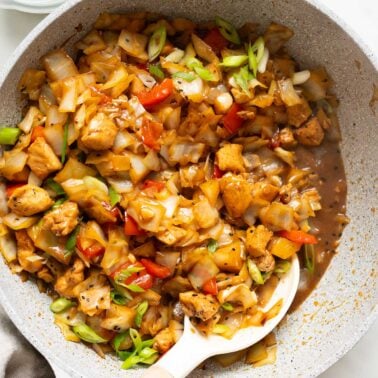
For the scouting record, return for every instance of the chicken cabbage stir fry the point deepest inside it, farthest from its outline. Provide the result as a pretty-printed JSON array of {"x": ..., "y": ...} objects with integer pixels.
[{"x": 155, "y": 175}]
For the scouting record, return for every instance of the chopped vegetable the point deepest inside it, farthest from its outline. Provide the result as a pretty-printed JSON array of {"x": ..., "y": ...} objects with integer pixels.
[
  {"x": 60, "y": 305},
  {"x": 210, "y": 287},
  {"x": 299, "y": 236},
  {"x": 72, "y": 239},
  {"x": 12, "y": 187},
  {"x": 9, "y": 135},
  {"x": 198, "y": 67},
  {"x": 234, "y": 61},
  {"x": 131, "y": 227},
  {"x": 187, "y": 76},
  {"x": 156, "y": 70},
  {"x": 242, "y": 78},
  {"x": 155, "y": 185},
  {"x": 228, "y": 306},
  {"x": 227, "y": 30},
  {"x": 232, "y": 121},
  {"x": 156, "y": 43},
  {"x": 141, "y": 310},
  {"x": 55, "y": 186},
  {"x": 215, "y": 40},
  {"x": 38, "y": 131},
  {"x": 118, "y": 298},
  {"x": 309, "y": 257},
  {"x": 212, "y": 245},
  {"x": 282, "y": 267},
  {"x": 157, "y": 94},
  {"x": 254, "y": 272},
  {"x": 87, "y": 334},
  {"x": 65, "y": 144},
  {"x": 155, "y": 270},
  {"x": 114, "y": 196},
  {"x": 151, "y": 132}
]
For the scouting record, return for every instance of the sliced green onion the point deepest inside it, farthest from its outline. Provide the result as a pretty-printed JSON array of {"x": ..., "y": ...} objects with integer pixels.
[
  {"x": 309, "y": 252},
  {"x": 212, "y": 245},
  {"x": 131, "y": 362},
  {"x": 187, "y": 76},
  {"x": 87, "y": 334},
  {"x": 118, "y": 298},
  {"x": 124, "y": 274},
  {"x": 118, "y": 340},
  {"x": 71, "y": 241},
  {"x": 137, "y": 340},
  {"x": 134, "y": 288},
  {"x": 234, "y": 60},
  {"x": 259, "y": 47},
  {"x": 282, "y": 267},
  {"x": 220, "y": 328},
  {"x": 241, "y": 78},
  {"x": 193, "y": 62},
  {"x": 59, "y": 202},
  {"x": 9, "y": 135},
  {"x": 227, "y": 30},
  {"x": 114, "y": 196},
  {"x": 65, "y": 144},
  {"x": 140, "y": 311},
  {"x": 56, "y": 187},
  {"x": 147, "y": 353},
  {"x": 197, "y": 66},
  {"x": 151, "y": 360},
  {"x": 252, "y": 60},
  {"x": 156, "y": 70},
  {"x": 254, "y": 272},
  {"x": 60, "y": 305},
  {"x": 228, "y": 306},
  {"x": 156, "y": 43},
  {"x": 266, "y": 275}
]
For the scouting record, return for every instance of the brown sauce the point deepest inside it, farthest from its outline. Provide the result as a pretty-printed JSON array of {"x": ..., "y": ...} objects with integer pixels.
[{"x": 327, "y": 163}]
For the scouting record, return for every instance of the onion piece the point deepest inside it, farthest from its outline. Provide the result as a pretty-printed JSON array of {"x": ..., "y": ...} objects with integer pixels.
[
  {"x": 264, "y": 61},
  {"x": 147, "y": 80},
  {"x": 300, "y": 77},
  {"x": 59, "y": 65},
  {"x": 288, "y": 94},
  {"x": 8, "y": 247},
  {"x": 175, "y": 56},
  {"x": 16, "y": 222},
  {"x": 32, "y": 118},
  {"x": 54, "y": 137},
  {"x": 55, "y": 117},
  {"x": 121, "y": 185}
]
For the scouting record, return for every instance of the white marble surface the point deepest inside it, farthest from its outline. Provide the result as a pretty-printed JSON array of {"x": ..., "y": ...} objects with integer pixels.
[{"x": 362, "y": 16}]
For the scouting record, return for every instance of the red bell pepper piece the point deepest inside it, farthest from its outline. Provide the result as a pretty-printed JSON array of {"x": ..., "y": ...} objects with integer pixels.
[
  {"x": 12, "y": 187},
  {"x": 151, "y": 132},
  {"x": 231, "y": 121},
  {"x": 218, "y": 173},
  {"x": 210, "y": 286},
  {"x": 157, "y": 94},
  {"x": 141, "y": 278},
  {"x": 215, "y": 40},
  {"x": 91, "y": 251},
  {"x": 37, "y": 132},
  {"x": 155, "y": 270},
  {"x": 155, "y": 185},
  {"x": 131, "y": 227},
  {"x": 299, "y": 237}
]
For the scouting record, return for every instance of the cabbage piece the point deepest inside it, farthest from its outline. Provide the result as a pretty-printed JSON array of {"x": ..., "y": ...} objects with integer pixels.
[{"x": 239, "y": 294}]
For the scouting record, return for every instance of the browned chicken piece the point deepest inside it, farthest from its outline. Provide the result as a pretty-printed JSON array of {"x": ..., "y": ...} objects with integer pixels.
[
  {"x": 199, "y": 305},
  {"x": 205, "y": 215},
  {"x": 73, "y": 276},
  {"x": 63, "y": 219},
  {"x": 311, "y": 134},
  {"x": 230, "y": 158},
  {"x": 118, "y": 318},
  {"x": 45, "y": 275},
  {"x": 298, "y": 114},
  {"x": 96, "y": 209},
  {"x": 154, "y": 320},
  {"x": 323, "y": 119},
  {"x": 94, "y": 300},
  {"x": 100, "y": 133},
  {"x": 286, "y": 138},
  {"x": 28, "y": 259},
  {"x": 176, "y": 285},
  {"x": 266, "y": 262},
  {"x": 264, "y": 191},
  {"x": 29, "y": 200},
  {"x": 276, "y": 36},
  {"x": 164, "y": 340},
  {"x": 257, "y": 240},
  {"x": 229, "y": 257},
  {"x": 42, "y": 159},
  {"x": 236, "y": 194}
]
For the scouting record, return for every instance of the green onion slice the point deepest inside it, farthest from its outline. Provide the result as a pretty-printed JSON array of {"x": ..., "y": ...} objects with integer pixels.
[
  {"x": 254, "y": 272},
  {"x": 59, "y": 202},
  {"x": 156, "y": 70},
  {"x": 71, "y": 241},
  {"x": 140, "y": 311},
  {"x": 234, "y": 60},
  {"x": 65, "y": 144},
  {"x": 55, "y": 186},
  {"x": 227, "y": 30},
  {"x": 9, "y": 135},
  {"x": 309, "y": 252},
  {"x": 60, "y": 305},
  {"x": 114, "y": 196},
  {"x": 134, "y": 288},
  {"x": 212, "y": 245},
  {"x": 282, "y": 267},
  {"x": 156, "y": 43},
  {"x": 187, "y": 76},
  {"x": 87, "y": 334},
  {"x": 228, "y": 306},
  {"x": 118, "y": 298},
  {"x": 242, "y": 77}
]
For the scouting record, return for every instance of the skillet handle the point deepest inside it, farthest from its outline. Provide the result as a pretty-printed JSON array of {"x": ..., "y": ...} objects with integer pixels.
[{"x": 157, "y": 372}]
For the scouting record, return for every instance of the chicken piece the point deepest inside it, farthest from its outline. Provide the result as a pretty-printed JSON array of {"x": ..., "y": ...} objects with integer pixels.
[
  {"x": 266, "y": 262},
  {"x": 205, "y": 215},
  {"x": 155, "y": 319},
  {"x": 230, "y": 158},
  {"x": 199, "y": 305},
  {"x": 100, "y": 133},
  {"x": 311, "y": 134},
  {"x": 239, "y": 294},
  {"x": 265, "y": 191},
  {"x": 63, "y": 219},
  {"x": 164, "y": 340},
  {"x": 298, "y": 114},
  {"x": 73, "y": 276},
  {"x": 257, "y": 240},
  {"x": 93, "y": 301},
  {"x": 236, "y": 194},
  {"x": 118, "y": 318},
  {"x": 28, "y": 259},
  {"x": 176, "y": 285},
  {"x": 229, "y": 257},
  {"x": 42, "y": 159},
  {"x": 45, "y": 275},
  {"x": 276, "y": 36},
  {"x": 96, "y": 209},
  {"x": 286, "y": 138},
  {"x": 171, "y": 235},
  {"x": 278, "y": 216},
  {"x": 29, "y": 200}
]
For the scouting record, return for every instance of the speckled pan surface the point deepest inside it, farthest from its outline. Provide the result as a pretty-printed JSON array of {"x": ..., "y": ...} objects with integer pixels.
[{"x": 343, "y": 306}]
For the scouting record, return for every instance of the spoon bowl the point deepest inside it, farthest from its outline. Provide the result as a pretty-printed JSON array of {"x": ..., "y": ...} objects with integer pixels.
[{"x": 193, "y": 347}]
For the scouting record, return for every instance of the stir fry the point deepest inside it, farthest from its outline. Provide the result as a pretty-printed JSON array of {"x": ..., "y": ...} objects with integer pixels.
[{"x": 155, "y": 176}]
